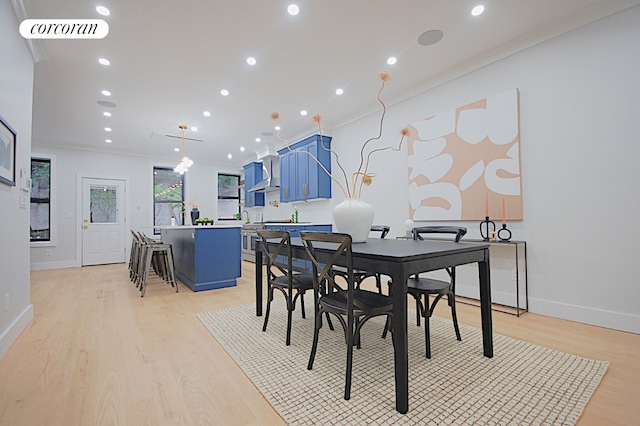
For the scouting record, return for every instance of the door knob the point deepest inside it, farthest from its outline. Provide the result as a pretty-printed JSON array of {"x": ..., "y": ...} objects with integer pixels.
[{"x": 85, "y": 227}]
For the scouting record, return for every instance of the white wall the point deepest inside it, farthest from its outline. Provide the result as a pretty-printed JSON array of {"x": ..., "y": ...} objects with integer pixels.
[
  {"x": 579, "y": 122},
  {"x": 200, "y": 183},
  {"x": 16, "y": 88}
]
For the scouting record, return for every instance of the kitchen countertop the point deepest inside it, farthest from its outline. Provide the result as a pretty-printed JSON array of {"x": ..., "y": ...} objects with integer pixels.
[{"x": 217, "y": 225}]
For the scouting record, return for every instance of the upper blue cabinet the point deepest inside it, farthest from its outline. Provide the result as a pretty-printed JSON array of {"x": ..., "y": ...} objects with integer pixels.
[
  {"x": 301, "y": 176},
  {"x": 252, "y": 175}
]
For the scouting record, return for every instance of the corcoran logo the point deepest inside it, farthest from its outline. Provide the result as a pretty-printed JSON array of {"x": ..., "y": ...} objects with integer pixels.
[{"x": 64, "y": 28}]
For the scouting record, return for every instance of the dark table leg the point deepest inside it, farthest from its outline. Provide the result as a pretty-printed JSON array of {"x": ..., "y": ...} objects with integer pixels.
[
  {"x": 400, "y": 340},
  {"x": 485, "y": 305},
  {"x": 258, "y": 283}
]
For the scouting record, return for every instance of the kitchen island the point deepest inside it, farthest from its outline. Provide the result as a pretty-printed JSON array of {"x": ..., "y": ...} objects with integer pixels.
[{"x": 205, "y": 257}]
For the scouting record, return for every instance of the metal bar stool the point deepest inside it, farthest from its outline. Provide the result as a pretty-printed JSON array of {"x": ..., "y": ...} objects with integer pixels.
[{"x": 158, "y": 257}]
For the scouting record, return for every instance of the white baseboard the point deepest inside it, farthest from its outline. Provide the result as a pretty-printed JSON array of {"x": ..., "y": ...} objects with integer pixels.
[
  {"x": 608, "y": 319},
  {"x": 588, "y": 315},
  {"x": 54, "y": 265},
  {"x": 12, "y": 332}
]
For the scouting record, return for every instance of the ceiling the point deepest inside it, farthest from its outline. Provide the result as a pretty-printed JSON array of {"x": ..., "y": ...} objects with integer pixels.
[{"x": 170, "y": 59}]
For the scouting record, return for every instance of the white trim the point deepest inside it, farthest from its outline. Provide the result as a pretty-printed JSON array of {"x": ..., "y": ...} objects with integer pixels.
[
  {"x": 42, "y": 266},
  {"x": 53, "y": 201},
  {"x": 14, "y": 330},
  {"x": 588, "y": 315}
]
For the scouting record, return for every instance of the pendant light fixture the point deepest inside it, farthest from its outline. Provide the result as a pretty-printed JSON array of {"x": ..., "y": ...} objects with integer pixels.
[{"x": 186, "y": 162}]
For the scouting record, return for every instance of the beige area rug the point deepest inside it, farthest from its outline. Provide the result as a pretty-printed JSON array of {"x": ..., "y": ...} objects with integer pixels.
[{"x": 522, "y": 384}]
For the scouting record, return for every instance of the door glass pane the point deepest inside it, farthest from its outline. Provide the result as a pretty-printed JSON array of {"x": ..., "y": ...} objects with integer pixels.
[{"x": 102, "y": 204}]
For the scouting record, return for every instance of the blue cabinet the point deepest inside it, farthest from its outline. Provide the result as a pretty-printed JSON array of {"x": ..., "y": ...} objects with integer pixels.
[
  {"x": 205, "y": 257},
  {"x": 301, "y": 176},
  {"x": 301, "y": 265},
  {"x": 252, "y": 175}
]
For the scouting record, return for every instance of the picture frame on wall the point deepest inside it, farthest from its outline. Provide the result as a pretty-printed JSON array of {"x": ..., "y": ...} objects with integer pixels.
[{"x": 7, "y": 153}]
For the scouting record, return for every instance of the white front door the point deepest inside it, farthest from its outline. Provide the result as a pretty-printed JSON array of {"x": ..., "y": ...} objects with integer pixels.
[{"x": 103, "y": 221}]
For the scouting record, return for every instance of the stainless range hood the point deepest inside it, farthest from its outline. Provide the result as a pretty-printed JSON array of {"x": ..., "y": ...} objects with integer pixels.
[{"x": 271, "y": 183}]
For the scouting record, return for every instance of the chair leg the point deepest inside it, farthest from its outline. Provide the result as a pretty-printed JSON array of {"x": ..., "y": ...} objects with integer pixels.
[
  {"x": 289, "y": 315},
  {"x": 266, "y": 314},
  {"x": 302, "y": 304},
  {"x": 427, "y": 337},
  {"x": 347, "y": 379},
  {"x": 316, "y": 333},
  {"x": 454, "y": 316}
]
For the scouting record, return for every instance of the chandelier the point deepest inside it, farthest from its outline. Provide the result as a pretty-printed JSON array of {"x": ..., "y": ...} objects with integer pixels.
[{"x": 186, "y": 162}]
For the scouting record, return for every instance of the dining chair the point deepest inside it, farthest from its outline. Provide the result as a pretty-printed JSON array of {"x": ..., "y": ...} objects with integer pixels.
[
  {"x": 359, "y": 275},
  {"x": 352, "y": 306},
  {"x": 421, "y": 288},
  {"x": 281, "y": 275}
]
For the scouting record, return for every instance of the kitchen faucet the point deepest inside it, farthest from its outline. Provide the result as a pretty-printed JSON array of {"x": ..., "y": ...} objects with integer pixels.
[{"x": 243, "y": 212}]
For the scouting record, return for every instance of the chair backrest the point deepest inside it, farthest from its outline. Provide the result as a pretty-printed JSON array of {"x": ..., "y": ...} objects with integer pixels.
[
  {"x": 383, "y": 229},
  {"x": 458, "y": 231},
  {"x": 323, "y": 278},
  {"x": 279, "y": 260}
]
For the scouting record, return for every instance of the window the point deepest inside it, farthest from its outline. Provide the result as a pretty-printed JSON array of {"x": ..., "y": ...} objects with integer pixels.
[
  {"x": 40, "y": 208},
  {"x": 168, "y": 197},
  {"x": 228, "y": 196}
]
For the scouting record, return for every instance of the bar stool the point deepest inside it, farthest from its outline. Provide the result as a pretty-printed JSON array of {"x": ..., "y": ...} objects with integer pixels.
[
  {"x": 158, "y": 257},
  {"x": 134, "y": 258}
]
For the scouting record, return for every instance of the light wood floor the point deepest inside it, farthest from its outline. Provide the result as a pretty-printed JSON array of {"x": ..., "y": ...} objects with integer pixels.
[{"x": 98, "y": 354}]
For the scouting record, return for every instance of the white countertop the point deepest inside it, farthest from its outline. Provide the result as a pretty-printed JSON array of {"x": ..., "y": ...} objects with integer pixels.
[{"x": 216, "y": 225}]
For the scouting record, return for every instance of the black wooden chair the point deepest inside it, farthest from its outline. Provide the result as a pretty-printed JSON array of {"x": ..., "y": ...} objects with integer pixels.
[
  {"x": 282, "y": 276},
  {"x": 360, "y": 275},
  {"x": 421, "y": 288},
  {"x": 352, "y": 306}
]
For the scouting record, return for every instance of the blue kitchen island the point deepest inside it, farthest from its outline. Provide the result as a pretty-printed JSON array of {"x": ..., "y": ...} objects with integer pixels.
[{"x": 205, "y": 257}]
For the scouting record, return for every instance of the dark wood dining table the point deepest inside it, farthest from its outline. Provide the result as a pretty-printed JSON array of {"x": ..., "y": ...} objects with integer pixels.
[{"x": 399, "y": 259}]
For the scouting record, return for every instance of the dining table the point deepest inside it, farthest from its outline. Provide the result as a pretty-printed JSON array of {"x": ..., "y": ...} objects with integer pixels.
[{"x": 399, "y": 259}]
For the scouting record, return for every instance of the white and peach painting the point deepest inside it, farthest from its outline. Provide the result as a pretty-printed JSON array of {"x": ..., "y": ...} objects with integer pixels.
[{"x": 464, "y": 164}]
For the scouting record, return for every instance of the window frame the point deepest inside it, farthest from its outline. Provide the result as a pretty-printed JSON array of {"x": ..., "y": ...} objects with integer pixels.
[
  {"x": 156, "y": 230},
  {"x": 53, "y": 223},
  {"x": 228, "y": 198}
]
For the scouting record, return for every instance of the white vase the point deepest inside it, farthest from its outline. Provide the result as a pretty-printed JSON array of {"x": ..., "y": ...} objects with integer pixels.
[{"x": 354, "y": 217}]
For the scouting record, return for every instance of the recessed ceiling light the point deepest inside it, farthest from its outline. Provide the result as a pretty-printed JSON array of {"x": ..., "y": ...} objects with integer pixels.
[
  {"x": 106, "y": 114},
  {"x": 224, "y": 92},
  {"x": 206, "y": 114},
  {"x": 430, "y": 37},
  {"x": 277, "y": 127},
  {"x": 107, "y": 129},
  {"x": 104, "y": 61},
  {"x": 108, "y": 140},
  {"x": 103, "y": 11},
  {"x": 303, "y": 112},
  {"x": 229, "y": 156},
  {"x": 258, "y": 139},
  {"x": 106, "y": 93},
  {"x": 251, "y": 61},
  {"x": 176, "y": 149},
  {"x": 339, "y": 91},
  {"x": 392, "y": 60},
  {"x": 194, "y": 129},
  {"x": 242, "y": 149},
  {"x": 477, "y": 10},
  {"x": 293, "y": 9}
]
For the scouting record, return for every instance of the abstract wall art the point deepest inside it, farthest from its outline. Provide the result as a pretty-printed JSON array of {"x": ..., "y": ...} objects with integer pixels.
[{"x": 464, "y": 164}]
